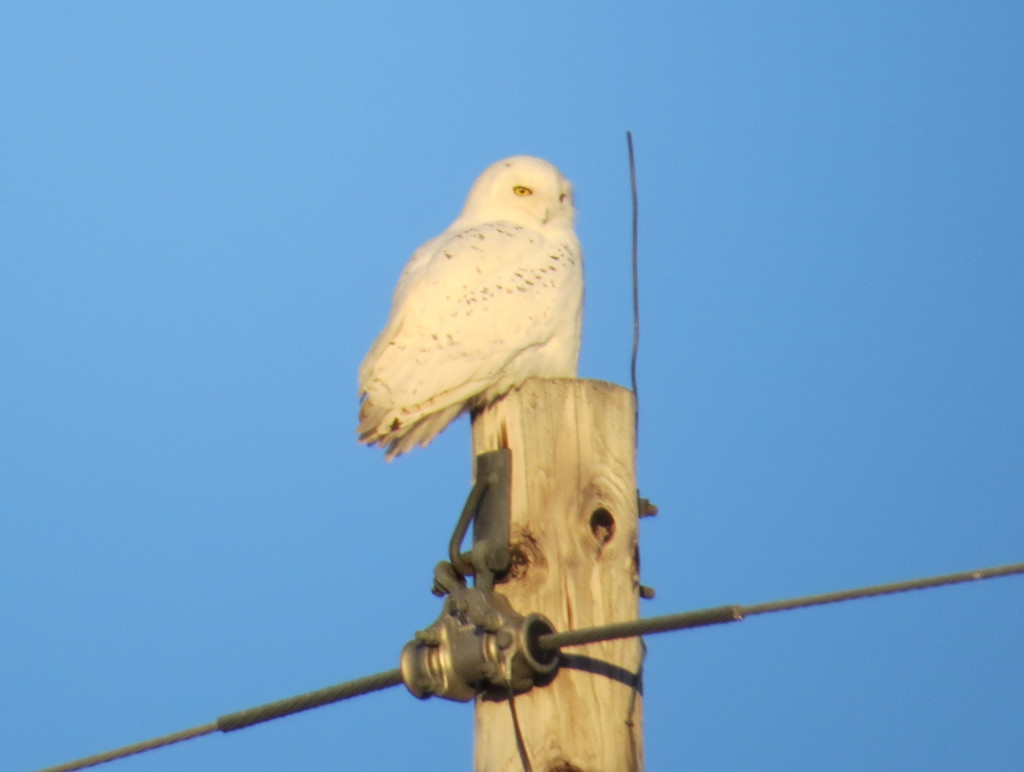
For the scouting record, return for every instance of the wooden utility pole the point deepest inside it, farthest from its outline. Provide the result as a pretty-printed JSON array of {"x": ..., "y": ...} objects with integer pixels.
[{"x": 574, "y": 558}]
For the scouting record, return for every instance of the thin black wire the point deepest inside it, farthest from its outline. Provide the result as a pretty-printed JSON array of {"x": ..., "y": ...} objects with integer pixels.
[
  {"x": 638, "y": 688},
  {"x": 520, "y": 742},
  {"x": 244, "y": 718},
  {"x": 724, "y": 614},
  {"x": 636, "y": 281}
]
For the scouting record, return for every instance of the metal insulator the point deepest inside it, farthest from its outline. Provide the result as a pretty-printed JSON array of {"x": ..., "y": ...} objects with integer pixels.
[{"x": 478, "y": 643}]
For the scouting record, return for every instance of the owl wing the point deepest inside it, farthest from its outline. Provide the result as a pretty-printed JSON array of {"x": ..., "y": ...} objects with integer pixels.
[{"x": 462, "y": 314}]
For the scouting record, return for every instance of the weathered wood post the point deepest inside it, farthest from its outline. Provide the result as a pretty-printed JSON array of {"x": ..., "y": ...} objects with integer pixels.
[{"x": 574, "y": 553}]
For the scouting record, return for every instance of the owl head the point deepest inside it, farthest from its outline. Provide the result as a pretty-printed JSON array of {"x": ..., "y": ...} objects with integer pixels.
[{"x": 521, "y": 189}]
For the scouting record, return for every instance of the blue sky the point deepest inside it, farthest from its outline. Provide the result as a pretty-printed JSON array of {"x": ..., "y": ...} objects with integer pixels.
[{"x": 203, "y": 210}]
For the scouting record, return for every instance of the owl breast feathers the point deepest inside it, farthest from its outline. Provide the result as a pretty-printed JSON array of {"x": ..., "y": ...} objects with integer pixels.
[{"x": 495, "y": 299}]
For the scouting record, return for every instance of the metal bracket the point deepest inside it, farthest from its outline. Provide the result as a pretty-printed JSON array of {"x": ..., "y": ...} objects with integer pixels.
[
  {"x": 487, "y": 507},
  {"x": 479, "y": 643}
]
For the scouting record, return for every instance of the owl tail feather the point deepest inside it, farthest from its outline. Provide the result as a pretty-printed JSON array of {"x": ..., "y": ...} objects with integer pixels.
[{"x": 399, "y": 434}]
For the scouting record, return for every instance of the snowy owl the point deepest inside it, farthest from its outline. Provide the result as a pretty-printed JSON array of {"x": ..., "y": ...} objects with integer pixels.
[{"x": 495, "y": 299}]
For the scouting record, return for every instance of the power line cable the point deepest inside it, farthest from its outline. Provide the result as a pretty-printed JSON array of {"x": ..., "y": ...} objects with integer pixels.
[
  {"x": 385, "y": 680},
  {"x": 309, "y": 700},
  {"x": 723, "y": 614},
  {"x": 243, "y": 718},
  {"x": 131, "y": 750}
]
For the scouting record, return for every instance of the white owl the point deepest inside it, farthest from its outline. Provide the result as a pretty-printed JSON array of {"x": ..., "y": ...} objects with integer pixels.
[{"x": 495, "y": 299}]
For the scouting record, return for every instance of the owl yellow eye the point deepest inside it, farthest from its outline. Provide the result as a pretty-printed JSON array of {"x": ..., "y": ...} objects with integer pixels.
[{"x": 521, "y": 190}]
